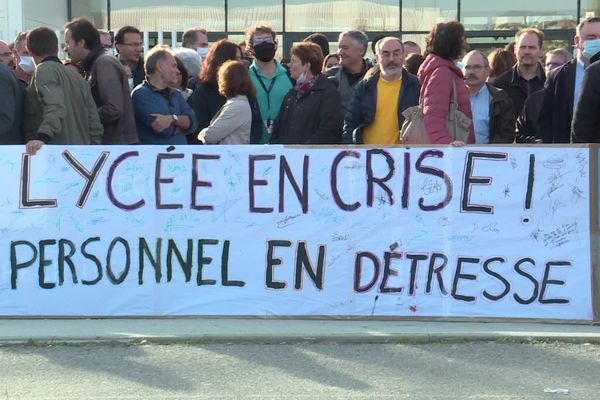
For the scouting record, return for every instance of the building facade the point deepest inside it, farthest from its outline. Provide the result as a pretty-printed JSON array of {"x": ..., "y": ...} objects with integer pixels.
[{"x": 489, "y": 23}]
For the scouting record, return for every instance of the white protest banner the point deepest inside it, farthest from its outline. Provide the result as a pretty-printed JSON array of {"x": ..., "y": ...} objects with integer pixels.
[{"x": 270, "y": 230}]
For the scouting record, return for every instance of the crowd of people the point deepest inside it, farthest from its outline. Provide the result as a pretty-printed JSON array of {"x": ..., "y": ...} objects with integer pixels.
[{"x": 109, "y": 92}]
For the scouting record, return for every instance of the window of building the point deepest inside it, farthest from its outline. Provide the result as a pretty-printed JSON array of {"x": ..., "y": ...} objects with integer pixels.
[
  {"x": 158, "y": 15},
  {"x": 590, "y": 8},
  {"x": 95, "y": 10},
  {"x": 44, "y": 13},
  {"x": 517, "y": 14},
  {"x": 243, "y": 14},
  {"x": 422, "y": 15},
  {"x": 341, "y": 15}
]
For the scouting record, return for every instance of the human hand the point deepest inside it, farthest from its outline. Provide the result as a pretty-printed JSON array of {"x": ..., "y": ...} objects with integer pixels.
[
  {"x": 33, "y": 146},
  {"x": 161, "y": 122},
  {"x": 457, "y": 143}
]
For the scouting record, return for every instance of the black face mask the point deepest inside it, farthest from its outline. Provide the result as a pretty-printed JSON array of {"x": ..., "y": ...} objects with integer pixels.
[{"x": 264, "y": 51}]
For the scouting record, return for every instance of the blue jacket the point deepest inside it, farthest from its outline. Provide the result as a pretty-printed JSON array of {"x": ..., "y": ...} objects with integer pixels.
[
  {"x": 147, "y": 100},
  {"x": 364, "y": 103}
]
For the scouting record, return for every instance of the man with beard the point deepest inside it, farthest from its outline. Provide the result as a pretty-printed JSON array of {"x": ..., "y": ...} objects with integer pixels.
[
  {"x": 269, "y": 77},
  {"x": 107, "y": 79},
  {"x": 375, "y": 113},
  {"x": 493, "y": 116},
  {"x": 527, "y": 76}
]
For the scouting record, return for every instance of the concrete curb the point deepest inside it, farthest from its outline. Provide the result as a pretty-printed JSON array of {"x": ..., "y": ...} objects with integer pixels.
[{"x": 38, "y": 332}]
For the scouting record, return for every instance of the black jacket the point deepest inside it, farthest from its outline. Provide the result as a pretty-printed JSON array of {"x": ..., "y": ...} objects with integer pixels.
[
  {"x": 556, "y": 113},
  {"x": 509, "y": 82},
  {"x": 364, "y": 103},
  {"x": 314, "y": 118},
  {"x": 206, "y": 102},
  {"x": 527, "y": 127},
  {"x": 12, "y": 97},
  {"x": 502, "y": 119},
  {"x": 587, "y": 113}
]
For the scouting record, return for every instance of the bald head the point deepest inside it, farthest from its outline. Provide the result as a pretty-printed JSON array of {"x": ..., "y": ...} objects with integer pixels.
[
  {"x": 390, "y": 57},
  {"x": 476, "y": 69},
  {"x": 6, "y": 55}
]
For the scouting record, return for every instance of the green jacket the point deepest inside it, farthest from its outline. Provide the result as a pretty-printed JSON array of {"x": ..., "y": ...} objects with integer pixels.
[
  {"x": 59, "y": 107},
  {"x": 270, "y": 94}
]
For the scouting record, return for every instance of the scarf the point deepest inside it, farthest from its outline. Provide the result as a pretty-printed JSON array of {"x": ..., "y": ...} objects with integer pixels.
[{"x": 305, "y": 87}]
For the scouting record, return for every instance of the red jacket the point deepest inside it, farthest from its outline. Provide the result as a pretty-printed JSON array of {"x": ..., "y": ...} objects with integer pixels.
[{"x": 435, "y": 76}]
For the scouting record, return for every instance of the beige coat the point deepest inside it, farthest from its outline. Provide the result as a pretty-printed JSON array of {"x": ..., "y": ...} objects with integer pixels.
[{"x": 231, "y": 124}]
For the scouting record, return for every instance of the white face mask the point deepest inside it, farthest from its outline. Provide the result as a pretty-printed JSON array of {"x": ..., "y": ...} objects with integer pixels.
[
  {"x": 202, "y": 52},
  {"x": 110, "y": 52},
  {"x": 27, "y": 65},
  {"x": 301, "y": 78}
]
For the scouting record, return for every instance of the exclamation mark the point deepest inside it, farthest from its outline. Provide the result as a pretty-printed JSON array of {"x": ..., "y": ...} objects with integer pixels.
[{"x": 530, "y": 180}]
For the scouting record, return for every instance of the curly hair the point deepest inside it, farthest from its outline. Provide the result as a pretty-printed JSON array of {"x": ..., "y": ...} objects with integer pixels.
[
  {"x": 220, "y": 52},
  {"x": 446, "y": 40},
  {"x": 234, "y": 79},
  {"x": 261, "y": 27}
]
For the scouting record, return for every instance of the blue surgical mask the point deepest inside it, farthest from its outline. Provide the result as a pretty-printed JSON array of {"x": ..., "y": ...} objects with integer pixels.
[
  {"x": 202, "y": 52},
  {"x": 27, "y": 65},
  {"x": 460, "y": 65},
  {"x": 591, "y": 48}
]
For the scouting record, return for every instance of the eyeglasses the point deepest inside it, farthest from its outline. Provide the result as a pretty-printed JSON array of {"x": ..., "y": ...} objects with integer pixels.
[
  {"x": 476, "y": 67},
  {"x": 133, "y": 44},
  {"x": 553, "y": 65},
  {"x": 7, "y": 54},
  {"x": 263, "y": 39}
]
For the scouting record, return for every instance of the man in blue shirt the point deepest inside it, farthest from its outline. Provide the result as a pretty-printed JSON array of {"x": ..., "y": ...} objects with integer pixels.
[
  {"x": 161, "y": 113},
  {"x": 493, "y": 115}
]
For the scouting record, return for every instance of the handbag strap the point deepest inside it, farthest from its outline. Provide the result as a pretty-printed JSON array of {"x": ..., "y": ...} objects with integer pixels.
[{"x": 454, "y": 97}]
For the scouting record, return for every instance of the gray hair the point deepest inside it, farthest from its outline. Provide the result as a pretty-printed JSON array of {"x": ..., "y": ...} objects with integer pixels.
[
  {"x": 190, "y": 59},
  {"x": 566, "y": 54},
  {"x": 486, "y": 62},
  {"x": 20, "y": 41},
  {"x": 385, "y": 39},
  {"x": 360, "y": 38},
  {"x": 157, "y": 54}
]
